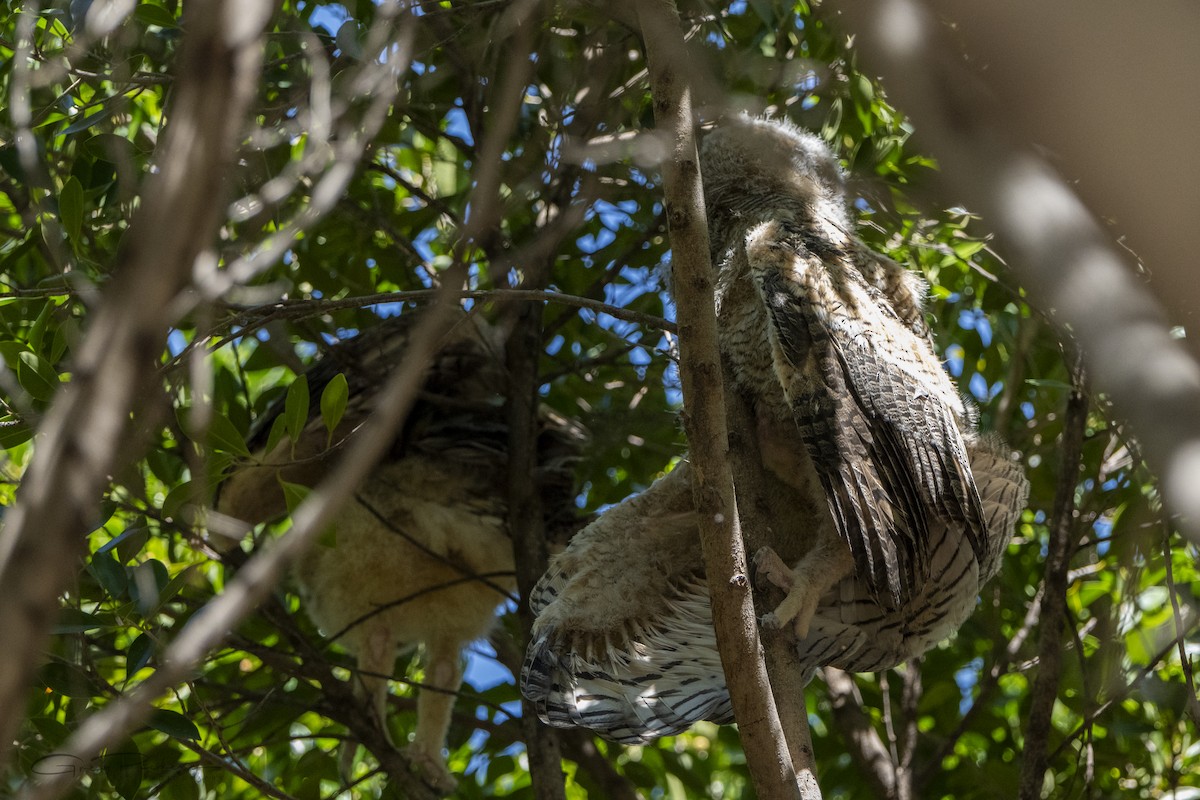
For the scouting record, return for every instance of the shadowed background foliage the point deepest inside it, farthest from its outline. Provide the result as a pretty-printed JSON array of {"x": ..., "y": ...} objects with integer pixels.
[{"x": 575, "y": 196}]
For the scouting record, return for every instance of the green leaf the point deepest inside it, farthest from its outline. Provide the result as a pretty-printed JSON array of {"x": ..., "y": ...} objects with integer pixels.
[
  {"x": 278, "y": 430},
  {"x": 36, "y": 376},
  {"x": 120, "y": 537},
  {"x": 295, "y": 408},
  {"x": 174, "y": 724},
  {"x": 50, "y": 729},
  {"x": 139, "y": 653},
  {"x": 68, "y": 680},
  {"x": 70, "y": 208},
  {"x": 13, "y": 432},
  {"x": 966, "y": 248},
  {"x": 83, "y": 123},
  {"x": 765, "y": 11},
  {"x": 445, "y": 177},
  {"x": 38, "y": 330},
  {"x": 293, "y": 496},
  {"x": 182, "y": 787},
  {"x": 223, "y": 435},
  {"x": 179, "y": 498},
  {"x": 123, "y": 768},
  {"x": 72, "y": 620},
  {"x": 110, "y": 574},
  {"x": 333, "y": 402},
  {"x": 149, "y": 579},
  {"x": 151, "y": 14},
  {"x": 110, "y": 147},
  {"x": 174, "y": 585},
  {"x": 347, "y": 40}
]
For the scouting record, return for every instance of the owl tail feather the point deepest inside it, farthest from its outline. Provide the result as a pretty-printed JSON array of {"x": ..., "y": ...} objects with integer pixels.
[{"x": 633, "y": 688}]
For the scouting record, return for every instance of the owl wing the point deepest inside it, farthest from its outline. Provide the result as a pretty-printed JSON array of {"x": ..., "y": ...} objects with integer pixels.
[
  {"x": 458, "y": 419},
  {"x": 623, "y": 643},
  {"x": 887, "y": 450}
]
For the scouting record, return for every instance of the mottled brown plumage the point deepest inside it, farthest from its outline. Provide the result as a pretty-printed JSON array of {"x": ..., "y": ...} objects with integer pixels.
[
  {"x": 421, "y": 552},
  {"x": 888, "y": 510}
]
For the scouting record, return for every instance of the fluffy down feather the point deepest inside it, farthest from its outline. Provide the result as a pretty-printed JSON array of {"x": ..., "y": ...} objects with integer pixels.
[
  {"x": 422, "y": 554},
  {"x": 889, "y": 510}
]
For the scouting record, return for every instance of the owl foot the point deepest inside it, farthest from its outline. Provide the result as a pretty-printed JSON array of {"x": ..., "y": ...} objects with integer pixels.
[
  {"x": 813, "y": 575},
  {"x": 802, "y": 597},
  {"x": 432, "y": 768}
]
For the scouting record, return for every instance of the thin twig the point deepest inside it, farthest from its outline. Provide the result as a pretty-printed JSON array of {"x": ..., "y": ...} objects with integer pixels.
[
  {"x": 1193, "y": 703},
  {"x": 236, "y": 769},
  {"x": 249, "y": 319}
]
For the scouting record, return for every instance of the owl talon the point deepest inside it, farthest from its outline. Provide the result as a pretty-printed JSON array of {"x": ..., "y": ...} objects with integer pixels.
[
  {"x": 769, "y": 567},
  {"x": 813, "y": 574},
  {"x": 770, "y": 622}
]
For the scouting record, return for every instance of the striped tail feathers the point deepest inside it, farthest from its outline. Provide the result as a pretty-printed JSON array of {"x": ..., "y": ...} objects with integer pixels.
[
  {"x": 623, "y": 641},
  {"x": 634, "y": 685}
]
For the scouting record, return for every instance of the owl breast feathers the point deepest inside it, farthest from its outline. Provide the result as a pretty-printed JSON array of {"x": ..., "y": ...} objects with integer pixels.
[
  {"x": 421, "y": 553},
  {"x": 888, "y": 509}
]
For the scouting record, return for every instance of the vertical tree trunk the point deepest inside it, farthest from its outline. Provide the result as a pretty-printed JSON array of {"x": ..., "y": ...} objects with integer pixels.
[{"x": 704, "y": 416}]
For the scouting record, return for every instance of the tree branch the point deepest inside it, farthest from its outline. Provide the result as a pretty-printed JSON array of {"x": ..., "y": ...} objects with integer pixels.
[
  {"x": 910, "y": 700},
  {"x": 85, "y": 437},
  {"x": 866, "y": 749},
  {"x": 704, "y": 417},
  {"x": 784, "y": 669},
  {"x": 1054, "y": 601},
  {"x": 1053, "y": 242},
  {"x": 526, "y": 522},
  {"x": 257, "y": 579},
  {"x": 1192, "y": 704}
]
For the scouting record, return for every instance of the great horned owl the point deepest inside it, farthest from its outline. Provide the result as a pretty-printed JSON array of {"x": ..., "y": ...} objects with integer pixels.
[
  {"x": 888, "y": 509},
  {"x": 421, "y": 552}
]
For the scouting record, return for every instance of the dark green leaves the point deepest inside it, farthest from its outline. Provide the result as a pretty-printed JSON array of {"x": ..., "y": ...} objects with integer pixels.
[
  {"x": 174, "y": 724},
  {"x": 333, "y": 402},
  {"x": 70, "y": 208},
  {"x": 295, "y": 410},
  {"x": 224, "y": 436}
]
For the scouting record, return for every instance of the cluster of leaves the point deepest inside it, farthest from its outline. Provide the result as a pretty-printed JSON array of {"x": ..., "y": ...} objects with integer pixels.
[{"x": 575, "y": 200}]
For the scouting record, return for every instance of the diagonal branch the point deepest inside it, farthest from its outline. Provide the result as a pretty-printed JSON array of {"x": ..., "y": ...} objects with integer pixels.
[
  {"x": 783, "y": 665},
  {"x": 257, "y": 579},
  {"x": 1053, "y": 242},
  {"x": 86, "y": 437}
]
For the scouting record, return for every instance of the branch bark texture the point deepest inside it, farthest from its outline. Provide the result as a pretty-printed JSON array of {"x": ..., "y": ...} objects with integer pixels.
[
  {"x": 1054, "y": 599},
  {"x": 784, "y": 670},
  {"x": 704, "y": 419},
  {"x": 86, "y": 434},
  {"x": 866, "y": 748}
]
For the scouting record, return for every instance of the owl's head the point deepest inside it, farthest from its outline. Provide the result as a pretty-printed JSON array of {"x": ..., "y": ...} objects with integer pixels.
[{"x": 754, "y": 164}]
